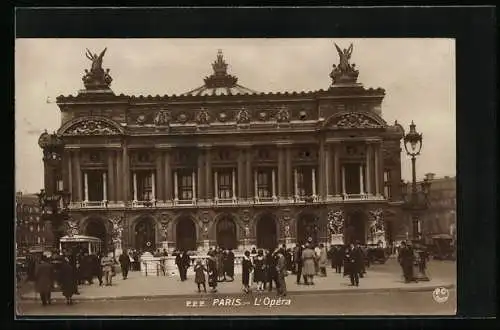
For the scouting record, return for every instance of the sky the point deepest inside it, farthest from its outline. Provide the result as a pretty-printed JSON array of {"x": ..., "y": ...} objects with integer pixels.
[{"x": 417, "y": 74}]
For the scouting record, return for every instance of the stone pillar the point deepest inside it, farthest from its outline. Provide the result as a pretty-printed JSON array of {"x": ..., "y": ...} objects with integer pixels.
[
  {"x": 255, "y": 184},
  {"x": 337, "y": 171},
  {"x": 135, "y": 186},
  {"x": 111, "y": 177},
  {"x": 193, "y": 183},
  {"x": 153, "y": 185},
  {"x": 322, "y": 170},
  {"x": 208, "y": 174},
  {"x": 78, "y": 173},
  {"x": 281, "y": 173},
  {"x": 377, "y": 170},
  {"x": 241, "y": 174},
  {"x": 233, "y": 184},
  {"x": 201, "y": 178},
  {"x": 361, "y": 181},
  {"x": 295, "y": 183},
  {"x": 313, "y": 181},
  {"x": 328, "y": 171},
  {"x": 126, "y": 173},
  {"x": 248, "y": 174},
  {"x": 343, "y": 181},
  {"x": 70, "y": 175},
  {"x": 216, "y": 186},
  {"x": 104, "y": 187},
  {"x": 176, "y": 187},
  {"x": 368, "y": 169},
  {"x": 168, "y": 176},
  {"x": 289, "y": 172},
  {"x": 86, "y": 186},
  {"x": 119, "y": 178},
  {"x": 159, "y": 176},
  {"x": 273, "y": 182}
]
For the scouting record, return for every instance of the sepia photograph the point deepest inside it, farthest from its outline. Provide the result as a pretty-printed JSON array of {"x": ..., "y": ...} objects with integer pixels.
[{"x": 235, "y": 177}]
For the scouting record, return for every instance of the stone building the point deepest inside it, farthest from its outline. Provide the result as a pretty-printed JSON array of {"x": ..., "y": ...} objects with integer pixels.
[
  {"x": 225, "y": 165},
  {"x": 30, "y": 229}
]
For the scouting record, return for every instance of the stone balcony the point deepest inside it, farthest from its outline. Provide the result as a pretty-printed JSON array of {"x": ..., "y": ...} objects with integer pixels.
[{"x": 233, "y": 202}]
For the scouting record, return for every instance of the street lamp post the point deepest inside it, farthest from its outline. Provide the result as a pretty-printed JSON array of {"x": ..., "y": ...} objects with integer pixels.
[
  {"x": 54, "y": 210},
  {"x": 417, "y": 202}
]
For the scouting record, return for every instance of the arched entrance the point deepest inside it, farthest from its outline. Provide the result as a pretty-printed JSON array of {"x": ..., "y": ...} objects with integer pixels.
[
  {"x": 307, "y": 227},
  {"x": 267, "y": 237},
  {"x": 96, "y": 228},
  {"x": 356, "y": 227},
  {"x": 185, "y": 234},
  {"x": 226, "y": 233},
  {"x": 145, "y": 234}
]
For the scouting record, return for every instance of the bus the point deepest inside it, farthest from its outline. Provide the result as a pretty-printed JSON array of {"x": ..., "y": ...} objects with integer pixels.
[{"x": 92, "y": 245}]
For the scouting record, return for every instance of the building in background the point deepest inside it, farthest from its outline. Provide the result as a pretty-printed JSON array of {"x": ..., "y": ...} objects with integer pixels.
[
  {"x": 31, "y": 232},
  {"x": 225, "y": 165}
]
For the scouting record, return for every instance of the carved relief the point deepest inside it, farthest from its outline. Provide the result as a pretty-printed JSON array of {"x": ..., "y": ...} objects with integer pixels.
[
  {"x": 182, "y": 118},
  {"x": 117, "y": 229},
  {"x": 377, "y": 221},
  {"x": 355, "y": 120},
  {"x": 335, "y": 222},
  {"x": 283, "y": 115},
  {"x": 162, "y": 118},
  {"x": 72, "y": 228},
  {"x": 222, "y": 116},
  {"x": 92, "y": 127},
  {"x": 263, "y": 116},
  {"x": 243, "y": 117},
  {"x": 203, "y": 117},
  {"x": 141, "y": 119}
]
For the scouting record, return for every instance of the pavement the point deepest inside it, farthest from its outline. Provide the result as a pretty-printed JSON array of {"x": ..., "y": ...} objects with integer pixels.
[{"x": 379, "y": 278}]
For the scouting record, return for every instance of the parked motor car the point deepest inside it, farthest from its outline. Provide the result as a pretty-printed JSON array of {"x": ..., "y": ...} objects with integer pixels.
[{"x": 441, "y": 247}]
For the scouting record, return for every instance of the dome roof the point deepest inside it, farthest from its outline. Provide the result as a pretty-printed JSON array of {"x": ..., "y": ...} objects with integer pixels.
[{"x": 220, "y": 82}]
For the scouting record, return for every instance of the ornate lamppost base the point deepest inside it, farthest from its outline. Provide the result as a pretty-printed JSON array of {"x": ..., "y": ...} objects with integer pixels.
[{"x": 419, "y": 275}]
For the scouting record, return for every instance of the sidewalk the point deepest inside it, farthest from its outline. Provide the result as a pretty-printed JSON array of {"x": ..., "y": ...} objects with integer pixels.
[{"x": 137, "y": 286}]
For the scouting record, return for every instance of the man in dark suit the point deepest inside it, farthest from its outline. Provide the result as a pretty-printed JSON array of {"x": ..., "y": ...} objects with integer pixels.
[
  {"x": 298, "y": 262},
  {"x": 355, "y": 266},
  {"x": 44, "y": 277}
]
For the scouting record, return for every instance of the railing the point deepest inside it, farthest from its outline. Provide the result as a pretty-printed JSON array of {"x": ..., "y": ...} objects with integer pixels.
[{"x": 296, "y": 200}]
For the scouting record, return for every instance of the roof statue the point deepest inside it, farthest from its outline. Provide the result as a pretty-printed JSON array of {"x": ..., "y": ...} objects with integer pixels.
[
  {"x": 96, "y": 78},
  {"x": 220, "y": 82},
  {"x": 345, "y": 72}
]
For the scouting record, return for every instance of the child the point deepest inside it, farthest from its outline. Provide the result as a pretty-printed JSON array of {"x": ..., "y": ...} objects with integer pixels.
[
  {"x": 199, "y": 277},
  {"x": 246, "y": 270}
]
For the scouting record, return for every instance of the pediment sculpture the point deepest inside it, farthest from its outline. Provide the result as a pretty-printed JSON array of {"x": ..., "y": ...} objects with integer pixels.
[
  {"x": 355, "y": 120},
  {"x": 72, "y": 228},
  {"x": 97, "y": 77},
  {"x": 92, "y": 127},
  {"x": 203, "y": 117}
]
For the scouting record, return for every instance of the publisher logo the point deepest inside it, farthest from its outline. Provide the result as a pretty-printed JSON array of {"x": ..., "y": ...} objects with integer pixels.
[{"x": 441, "y": 295}]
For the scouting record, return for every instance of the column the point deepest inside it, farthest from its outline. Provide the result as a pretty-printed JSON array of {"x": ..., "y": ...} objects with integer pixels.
[
  {"x": 135, "y": 186},
  {"x": 295, "y": 183},
  {"x": 368, "y": 169},
  {"x": 193, "y": 183},
  {"x": 314, "y": 181},
  {"x": 153, "y": 186},
  {"x": 70, "y": 176},
  {"x": 273, "y": 183},
  {"x": 176, "y": 187},
  {"x": 248, "y": 174},
  {"x": 377, "y": 170},
  {"x": 255, "y": 185},
  {"x": 216, "y": 185},
  {"x": 328, "y": 169},
  {"x": 322, "y": 170},
  {"x": 111, "y": 177},
  {"x": 126, "y": 174},
  {"x": 281, "y": 173},
  {"x": 233, "y": 183},
  {"x": 343, "y": 181},
  {"x": 289, "y": 172},
  {"x": 241, "y": 174},
  {"x": 361, "y": 181},
  {"x": 86, "y": 186},
  {"x": 200, "y": 187},
  {"x": 168, "y": 176},
  {"x": 159, "y": 194},
  {"x": 337, "y": 171},
  {"x": 208, "y": 173},
  {"x": 104, "y": 187},
  {"x": 78, "y": 173},
  {"x": 119, "y": 175}
]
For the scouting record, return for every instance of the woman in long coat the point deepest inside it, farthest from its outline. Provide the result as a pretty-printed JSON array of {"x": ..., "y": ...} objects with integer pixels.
[
  {"x": 212, "y": 271},
  {"x": 259, "y": 275},
  {"x": 246, "y": 266},
  {"x": 308, "y": 264},
  {"x": 67, "y": 280},
  {"x": 323, "y": 259},
  {"x": 44, "y": 279}
]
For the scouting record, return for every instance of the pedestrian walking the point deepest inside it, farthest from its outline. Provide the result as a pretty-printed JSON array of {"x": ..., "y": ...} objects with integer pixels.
[
  {"x": 199, "y": 275},
  {"x": 107, "y": 264},
  {"x": 230, "y": 264},
  {"x": 271, "y": 274},
  {"x": 281, "y": 271},
  {"x": 247, "y": 267},
  {"x": 44, "y": 279},
  {"x": 355, "y": 257},
  {"x": 298, "y": 262},
  {"x": 212, "y": 271},
  {"x": 259, "y": 274},
  {"x": 322, "y": 261},
  {"x": 67, "y": 280},
  {"x": 182, "y": 261},
  {"x": 124, "y": 263},
  {"x": 308, "y": 264},
  {"x": 406, "y": 260}
]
